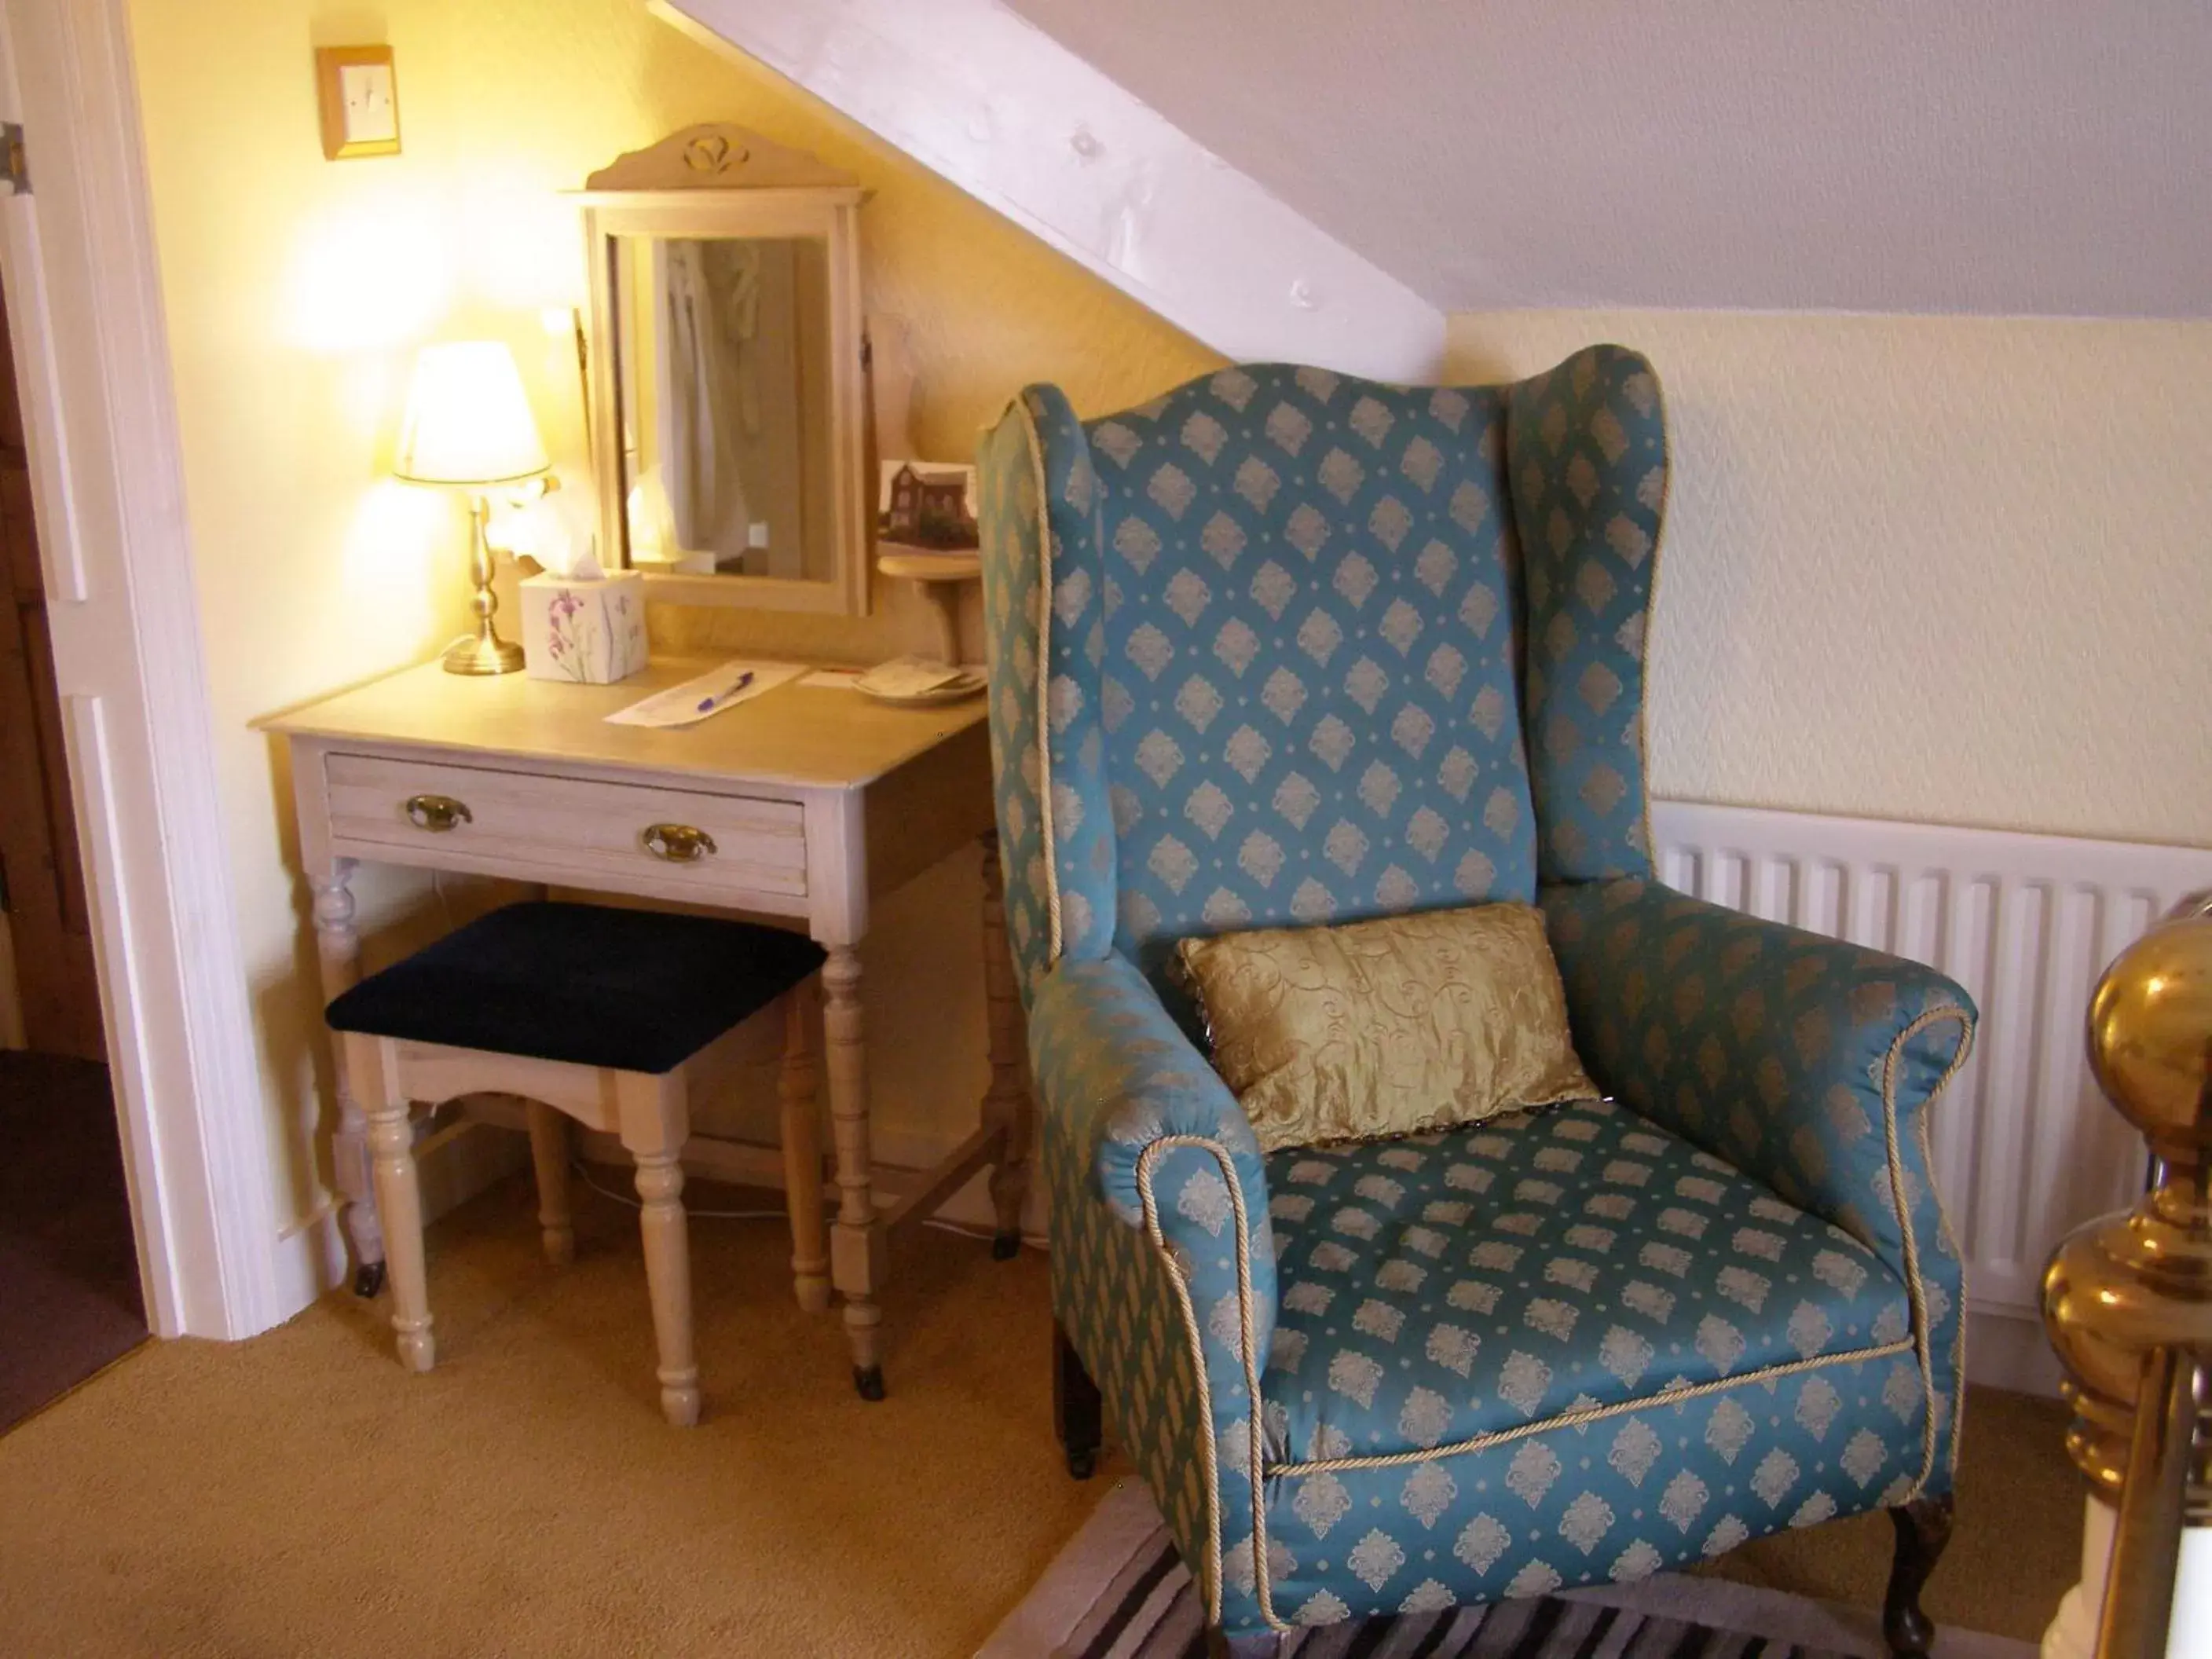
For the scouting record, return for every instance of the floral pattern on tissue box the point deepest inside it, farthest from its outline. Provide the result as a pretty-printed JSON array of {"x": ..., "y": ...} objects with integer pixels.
[{"x": 590, "y": 632}]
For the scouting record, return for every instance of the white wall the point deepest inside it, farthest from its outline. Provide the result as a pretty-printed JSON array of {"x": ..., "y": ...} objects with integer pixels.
[{"x": 1945, "y": 569}]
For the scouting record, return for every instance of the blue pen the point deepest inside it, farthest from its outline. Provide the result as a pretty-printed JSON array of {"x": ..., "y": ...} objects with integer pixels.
[{"x": 708, "y": 705}]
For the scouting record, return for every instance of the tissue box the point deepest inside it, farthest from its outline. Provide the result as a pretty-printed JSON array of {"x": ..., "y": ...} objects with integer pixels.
[{"x": 592, "y": 632}]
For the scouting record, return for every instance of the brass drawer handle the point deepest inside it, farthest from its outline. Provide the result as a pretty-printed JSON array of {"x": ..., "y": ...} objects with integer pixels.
[
  {"x": 437, "y": 813},
  {"x": 679, "y": 844}
]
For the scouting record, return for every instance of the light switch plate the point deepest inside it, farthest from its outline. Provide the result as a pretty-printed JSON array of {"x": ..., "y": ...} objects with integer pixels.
[{"x": 357, "y": 90}]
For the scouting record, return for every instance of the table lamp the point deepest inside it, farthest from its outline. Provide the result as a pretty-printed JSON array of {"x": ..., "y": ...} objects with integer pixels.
[{"x": 468, "y": 426}]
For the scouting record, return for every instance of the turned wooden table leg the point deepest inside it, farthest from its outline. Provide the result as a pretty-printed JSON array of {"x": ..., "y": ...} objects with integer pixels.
[
  {"x": 655, "y": 1124},
  {"x": 856, "y": 1242},
  {"x": 549, "y": 1152},
  {"x": 1006, "y": 1102},
  {"x": 391, "y": 1142},
  {"x": 337, "y": 946},
  {"x": 802, "y": 1152}
]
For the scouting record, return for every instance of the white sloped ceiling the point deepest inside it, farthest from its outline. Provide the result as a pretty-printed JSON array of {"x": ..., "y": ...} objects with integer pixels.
[
  {"x": 969, "y": 88},
  {"x": 2047, "y": 157}
]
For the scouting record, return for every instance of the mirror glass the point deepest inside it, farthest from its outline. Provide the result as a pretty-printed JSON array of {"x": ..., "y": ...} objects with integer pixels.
[{"x": 723, "y": 384}]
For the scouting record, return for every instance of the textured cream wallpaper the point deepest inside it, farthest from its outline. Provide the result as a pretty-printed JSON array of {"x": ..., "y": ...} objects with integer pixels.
[
  {"x": 297, "y": 291},
  {"x": 1947, "y": 569}
]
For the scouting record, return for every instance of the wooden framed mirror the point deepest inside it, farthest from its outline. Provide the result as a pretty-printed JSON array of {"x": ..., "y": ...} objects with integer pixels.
[{"x": 727, "y": 385}]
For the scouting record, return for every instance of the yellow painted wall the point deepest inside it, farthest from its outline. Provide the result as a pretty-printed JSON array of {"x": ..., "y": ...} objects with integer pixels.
[
  {"x": 296, "y": 290},
  {"x": 1956, "y": 570}
]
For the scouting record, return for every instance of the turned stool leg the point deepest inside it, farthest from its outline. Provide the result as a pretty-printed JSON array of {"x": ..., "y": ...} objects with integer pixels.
[
  {"x": 373, "y": 1063},
  {"x": 655, "y": 1125},
  {"x": 802, "y": 1152},
  {"x": 549, "y": 1152}
]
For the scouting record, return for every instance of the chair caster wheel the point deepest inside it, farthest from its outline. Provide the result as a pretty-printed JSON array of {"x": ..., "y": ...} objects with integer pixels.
[
  {"x": 1004, "y": 1247},
  {"x": 868, "y": 1381},
  {"x": 369, "y": 1279},
  {"x": 1082, "y": 1465}
]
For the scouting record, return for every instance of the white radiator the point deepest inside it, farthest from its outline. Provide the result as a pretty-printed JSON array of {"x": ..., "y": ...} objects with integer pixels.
[{"x": 2026, "y": 1146}]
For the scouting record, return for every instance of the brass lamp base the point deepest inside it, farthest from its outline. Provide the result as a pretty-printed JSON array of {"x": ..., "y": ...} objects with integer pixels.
[{"x": 486, "y": 654}]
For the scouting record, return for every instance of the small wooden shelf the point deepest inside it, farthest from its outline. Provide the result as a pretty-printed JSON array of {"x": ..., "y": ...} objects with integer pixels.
[{"x": 940, "y": 575}]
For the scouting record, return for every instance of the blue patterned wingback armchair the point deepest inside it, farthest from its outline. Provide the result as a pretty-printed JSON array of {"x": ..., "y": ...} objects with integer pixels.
[{"x": 1286, "y": 647}]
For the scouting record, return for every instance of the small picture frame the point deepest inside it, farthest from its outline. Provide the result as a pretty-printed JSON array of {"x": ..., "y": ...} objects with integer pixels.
[{"x": 357, "y": 91}]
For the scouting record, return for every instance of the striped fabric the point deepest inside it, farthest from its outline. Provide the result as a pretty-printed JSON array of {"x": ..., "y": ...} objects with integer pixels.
[
  {"x": 1119, "y": 1590},
  {"x": 1151, "y": 1610}
]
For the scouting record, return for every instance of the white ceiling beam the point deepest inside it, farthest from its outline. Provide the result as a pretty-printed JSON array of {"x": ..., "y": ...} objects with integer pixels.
[{"x": 976, "y": 93}]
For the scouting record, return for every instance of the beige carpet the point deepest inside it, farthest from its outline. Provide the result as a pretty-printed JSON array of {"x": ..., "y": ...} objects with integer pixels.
[{"x": 299, "y": 1494}]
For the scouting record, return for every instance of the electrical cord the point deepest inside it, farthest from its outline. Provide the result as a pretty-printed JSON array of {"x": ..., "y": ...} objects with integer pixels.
[{"x": 583, "y": 1172}]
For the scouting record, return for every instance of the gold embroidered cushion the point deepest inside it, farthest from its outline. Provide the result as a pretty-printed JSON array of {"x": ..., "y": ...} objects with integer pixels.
[{"x": 1387, "y": 1027}]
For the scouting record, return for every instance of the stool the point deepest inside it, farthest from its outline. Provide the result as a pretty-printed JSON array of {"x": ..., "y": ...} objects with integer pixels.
[{"x": 590, "y": 1013}]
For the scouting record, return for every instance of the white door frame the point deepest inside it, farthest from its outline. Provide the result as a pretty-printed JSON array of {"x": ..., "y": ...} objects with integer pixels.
[{"x": 92, "y": 361}]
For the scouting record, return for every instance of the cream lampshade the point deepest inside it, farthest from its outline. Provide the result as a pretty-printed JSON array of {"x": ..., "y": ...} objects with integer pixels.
[{"x": 468, "y": 425}]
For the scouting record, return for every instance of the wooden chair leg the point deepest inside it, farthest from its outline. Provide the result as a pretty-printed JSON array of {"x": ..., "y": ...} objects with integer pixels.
[
  {"x": 549, "y": 1152},
  {"x": 802, "y": 1152},
  {"x": 655, "y": 1126},
  {"x": 1007, "y": 1104},
  {"x": 1076, "y": 1406},
  {"x": 372, "y": 1064},
  {"x": 1924, "y": 1527}
]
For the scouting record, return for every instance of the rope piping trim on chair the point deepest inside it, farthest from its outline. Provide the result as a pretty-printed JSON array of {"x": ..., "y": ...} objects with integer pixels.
[
  {"x": 1922, "y": 1334},
  {"x": 1917, "y": 1343},
  {"x": 1571, "y": 1419},
  {"x": 1044, "y": 681},
  {"x": 1651, "y": 609},
  {"x": 1255, "y": 1458}
]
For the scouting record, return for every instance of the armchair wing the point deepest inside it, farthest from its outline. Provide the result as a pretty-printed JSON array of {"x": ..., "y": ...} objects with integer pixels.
[
  {"x": 1808, "y": 1063},
  {"x": 1163, "y": 1268},
  {"x": 1044, "y": 609}
]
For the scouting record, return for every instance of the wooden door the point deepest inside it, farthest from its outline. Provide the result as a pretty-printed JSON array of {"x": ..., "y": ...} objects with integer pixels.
[{"x": 41, "y": 875}]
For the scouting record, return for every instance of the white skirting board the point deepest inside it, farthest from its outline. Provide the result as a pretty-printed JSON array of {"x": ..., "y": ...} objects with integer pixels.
[{"x": 2026, "y": 1148}]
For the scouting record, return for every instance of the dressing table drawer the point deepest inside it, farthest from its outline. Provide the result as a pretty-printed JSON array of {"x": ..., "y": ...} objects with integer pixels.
[{"x": 681, "y": 842}]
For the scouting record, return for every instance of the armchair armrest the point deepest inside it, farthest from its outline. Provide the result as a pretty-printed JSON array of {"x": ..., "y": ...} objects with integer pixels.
[
  {"x": 1806, "y": 1061},
  {"x": 1164, "y": 1257},
  {"x": 1167, "y": 1148}
]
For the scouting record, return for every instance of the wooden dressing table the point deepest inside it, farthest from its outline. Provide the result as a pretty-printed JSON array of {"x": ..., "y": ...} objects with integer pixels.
[{"x": 805, "y": 802}]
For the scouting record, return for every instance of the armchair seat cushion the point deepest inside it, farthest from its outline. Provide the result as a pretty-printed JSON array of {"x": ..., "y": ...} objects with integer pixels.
[{"x": 1444, "y": 1288}]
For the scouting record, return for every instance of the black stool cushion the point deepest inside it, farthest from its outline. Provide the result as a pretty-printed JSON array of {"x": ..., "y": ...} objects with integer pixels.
[{"x": 637, "y": 990}]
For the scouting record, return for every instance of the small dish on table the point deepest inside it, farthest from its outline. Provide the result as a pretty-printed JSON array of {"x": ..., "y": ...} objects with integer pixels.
[{"x": 913, "y": 682}]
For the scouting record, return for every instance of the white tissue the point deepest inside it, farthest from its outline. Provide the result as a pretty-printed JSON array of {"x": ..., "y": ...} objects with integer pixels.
[
  {"x": 568, "y": 543},
  {"x": 555, "y": 529}
]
